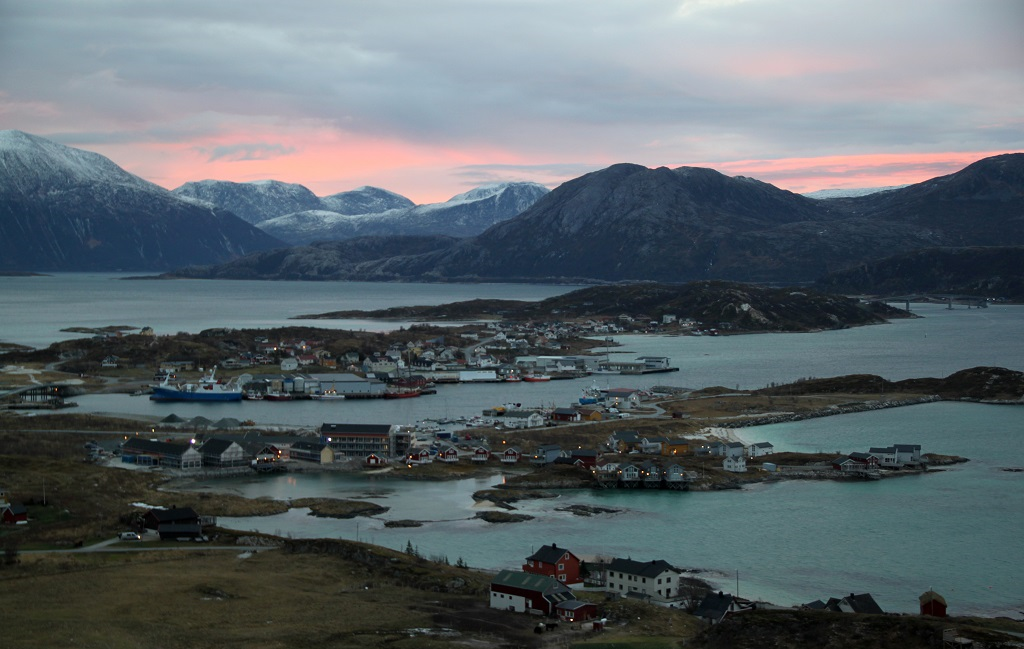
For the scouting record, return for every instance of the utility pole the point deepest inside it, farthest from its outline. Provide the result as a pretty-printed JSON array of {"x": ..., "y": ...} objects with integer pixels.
[{"x": 737, "y": 583}]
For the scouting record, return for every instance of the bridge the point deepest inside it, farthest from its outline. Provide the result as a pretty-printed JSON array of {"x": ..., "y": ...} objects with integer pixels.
[
  {"x": 37, "y": 397},
  {"x": 950, "y": 299}
]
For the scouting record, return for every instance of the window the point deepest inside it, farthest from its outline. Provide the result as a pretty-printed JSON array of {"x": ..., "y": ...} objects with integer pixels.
[{"x": 561, "y": 566}]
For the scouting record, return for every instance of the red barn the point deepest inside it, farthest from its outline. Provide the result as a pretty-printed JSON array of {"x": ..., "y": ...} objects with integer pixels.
[
  {"x": 556, "y": 562},
  {"x": 14, "y": 513},
  {"x": 933, "y": 604},
  {"x": 575, "y": 610}
]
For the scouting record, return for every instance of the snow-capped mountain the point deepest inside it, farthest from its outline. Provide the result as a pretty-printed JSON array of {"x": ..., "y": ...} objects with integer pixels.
[
  {"x": 67, "y": 209},
  {"x": 464, "y": 215},
  {"x": 824, "y": 194},
  {"x": 365, "y": 200},
  {"x": 254, "y": 202}
]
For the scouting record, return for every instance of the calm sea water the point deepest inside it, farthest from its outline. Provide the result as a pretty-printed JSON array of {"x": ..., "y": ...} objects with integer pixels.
[
  {"x": 958, "y": 531},
  {"x": 33, "y": 310}
]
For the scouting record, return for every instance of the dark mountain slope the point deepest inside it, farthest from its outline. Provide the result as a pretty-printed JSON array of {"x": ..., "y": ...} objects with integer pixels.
[
  {"x": 995, "y": 272},
  {"x": 63, "y": 209},
  {"x": 329, "y": 260},
  {"x": 626, "y": 222},
  {"x": 629, "y": 222}
]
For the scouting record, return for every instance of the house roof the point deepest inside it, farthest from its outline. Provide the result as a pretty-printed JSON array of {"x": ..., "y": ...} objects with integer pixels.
[
  {"x": 863, "y": 603},
  {"x": 549, "y": 554},
  {"x": 907, "y": 448},
  {"x": 932, "y": 596},
  {"x": 530, "y": 581},
  {"x": 714, "y": 606},
  {"x": 882, "y": 449},
  {"x": 216, "y": 446},
  {"x": 378, "y": 429},
  {"x": 651, "y": 568},
  {"x": 140, "y": 445},
  {"x": 763, "y": 445},
  {"x": 573, "y": 605},
  {"x": 173, "y": 515}
]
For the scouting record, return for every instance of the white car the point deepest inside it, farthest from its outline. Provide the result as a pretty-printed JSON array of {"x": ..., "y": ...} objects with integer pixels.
[{"x": 129, "y": 536}]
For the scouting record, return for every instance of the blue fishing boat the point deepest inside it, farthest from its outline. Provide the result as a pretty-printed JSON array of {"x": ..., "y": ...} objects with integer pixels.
[{"x": 207, "y": 389}]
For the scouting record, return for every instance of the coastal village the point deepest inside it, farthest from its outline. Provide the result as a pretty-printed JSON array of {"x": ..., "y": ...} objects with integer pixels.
[{"x": 547, "y": 447}]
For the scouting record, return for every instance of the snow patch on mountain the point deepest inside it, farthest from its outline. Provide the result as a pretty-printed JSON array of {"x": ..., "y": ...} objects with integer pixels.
[
  {"x": 853, "y": 192},
  {"x": 25, "y": 158}
]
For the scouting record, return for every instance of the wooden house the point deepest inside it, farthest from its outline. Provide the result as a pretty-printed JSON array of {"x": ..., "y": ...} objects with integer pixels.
[
  {"x": 448, "y": 454},
  {"x": 657, "y": 579},
  {"x": 556, "y": 562},
  {"x": 584, "y": 457},
  {"x": 761, "y": 448},
  {"x": 735, "y": 464},
  {"x": 932, "y": 604},
  {"x": 419, "y": 456},
  {"x": 908, "y": 454},
  {"x": 511, "y": 455},
  {"x": 566, "y": 415},
  {"x": 13, "y": 513},
  {"x": 374, "y": 461},
  {"x": 678, "y": 446},
  {"x": 155, "y": 518},
  {"x": 311, "y": 452},
  {"x": 546, "y": 454},
  {"x": 526, "y": 592},
  {"x": 147, "y": 452},
  {"x": 574, "y": 611},
  {"x": 480, "y": 455},
  {"x": 223, "y": 453}
]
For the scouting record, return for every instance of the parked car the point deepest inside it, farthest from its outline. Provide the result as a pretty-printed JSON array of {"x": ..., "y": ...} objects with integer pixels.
[{"x": 130, "y": 536}]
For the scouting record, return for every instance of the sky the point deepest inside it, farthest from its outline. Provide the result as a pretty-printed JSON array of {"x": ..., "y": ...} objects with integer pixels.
[{"x": 431, "y": 99}]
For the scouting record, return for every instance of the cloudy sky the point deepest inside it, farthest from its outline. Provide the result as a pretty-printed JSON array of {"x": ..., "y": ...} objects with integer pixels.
[{"x": 432, "y": 98}]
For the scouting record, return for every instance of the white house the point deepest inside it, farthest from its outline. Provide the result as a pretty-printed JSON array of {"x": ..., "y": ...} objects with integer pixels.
[
  {"x": 735, "y": 464},
  {"x": 887, "y": 456},
  {"x": 761, "y": 448},
  {"x": 908, "y": 453},
  {"x": 657, "y": 580},
  {"x": 735, "y": 449},
  {"x": 523, "y": 419}
]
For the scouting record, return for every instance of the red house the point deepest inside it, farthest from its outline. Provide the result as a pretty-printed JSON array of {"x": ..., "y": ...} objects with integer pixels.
[
  {"x": 481, "y": 454},
  {"x": 420, "y": 456},
  {"x": 933, "y": 604},
  {"x": 448, "y": 454},
  {"x": 511, "y": 455},
  {"x": 14, "y": 513},
  {"x": 556, "y": 562},
  {"x": 575, "y": 610}
]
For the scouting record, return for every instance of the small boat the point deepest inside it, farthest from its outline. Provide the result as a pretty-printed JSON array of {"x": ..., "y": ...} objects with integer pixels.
[
  {"x": 536, "y": 378},
  {"x": 253, "y": 395},
  {"x": 402, "y": 393},
  {"x": 330, "y": 395},
  {"x": 277, "y": 396}
]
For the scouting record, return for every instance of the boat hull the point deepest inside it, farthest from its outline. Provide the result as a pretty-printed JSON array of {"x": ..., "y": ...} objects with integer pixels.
[{"x": 173, "y": 394}]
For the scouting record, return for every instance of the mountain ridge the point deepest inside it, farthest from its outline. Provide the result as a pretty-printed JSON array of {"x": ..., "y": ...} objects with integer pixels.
[{"x": 64, "y": 209}]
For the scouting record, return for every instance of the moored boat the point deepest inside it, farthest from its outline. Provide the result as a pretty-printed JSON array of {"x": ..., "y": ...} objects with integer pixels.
[
  {"x": 402, "y": 393},
  {"x": 536, "y": 378},
  {"x": 329, "y": 395},
  {"x": 207, "y": 389},
  {"x": 277, "y": 396}
]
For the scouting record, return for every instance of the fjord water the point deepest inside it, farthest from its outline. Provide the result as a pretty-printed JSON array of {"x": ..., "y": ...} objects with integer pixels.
[{"x": 958, "y": 531}]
